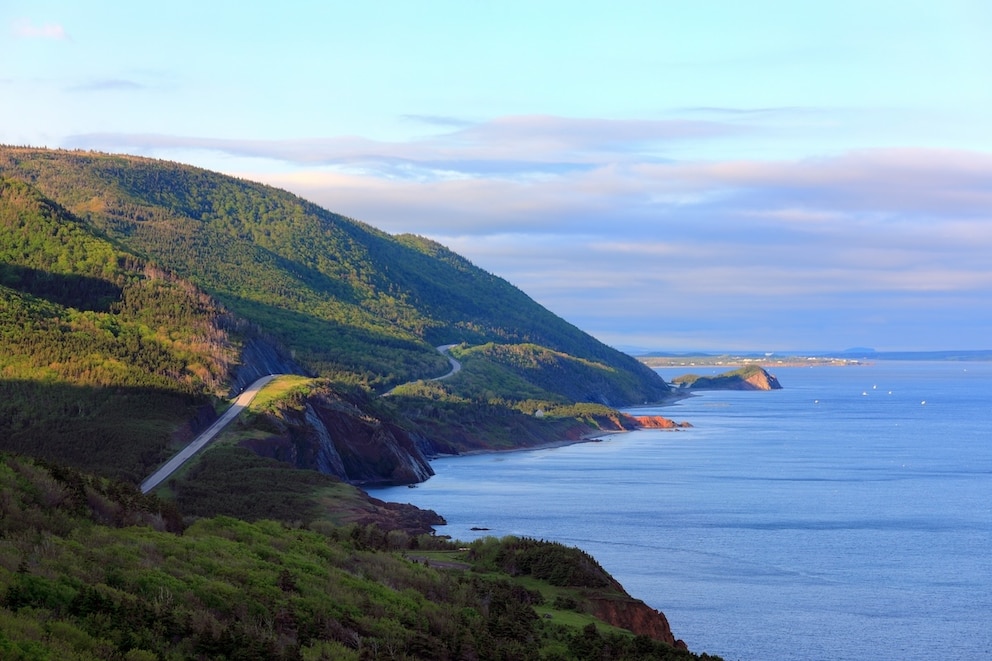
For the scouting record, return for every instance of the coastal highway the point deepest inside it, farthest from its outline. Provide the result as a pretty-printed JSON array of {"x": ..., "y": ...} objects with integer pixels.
[
  {"x": 170, "y": 467},
  {"x": 455, "y": 365},
  {"x": 455, "y": 368},
  {"x": 243, "y": 400}
]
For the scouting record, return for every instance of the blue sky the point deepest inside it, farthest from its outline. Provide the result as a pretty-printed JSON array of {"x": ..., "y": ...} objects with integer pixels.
[{"x": 668, "y": 175}]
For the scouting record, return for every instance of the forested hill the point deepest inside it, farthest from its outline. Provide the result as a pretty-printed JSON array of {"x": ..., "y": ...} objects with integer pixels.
[{"x": 349, "y": 301}]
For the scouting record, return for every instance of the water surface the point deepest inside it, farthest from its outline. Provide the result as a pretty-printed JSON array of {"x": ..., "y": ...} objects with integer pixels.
[{"x": 848, "y": 516}]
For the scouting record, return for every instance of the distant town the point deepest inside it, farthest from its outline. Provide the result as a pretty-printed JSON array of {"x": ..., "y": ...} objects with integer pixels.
[{"x": 771, "y": 360}]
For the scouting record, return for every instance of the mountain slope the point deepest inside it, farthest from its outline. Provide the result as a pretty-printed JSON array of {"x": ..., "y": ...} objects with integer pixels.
[
  {"x": 105, "y": 356},
  {"x": 352, "y": 302}
]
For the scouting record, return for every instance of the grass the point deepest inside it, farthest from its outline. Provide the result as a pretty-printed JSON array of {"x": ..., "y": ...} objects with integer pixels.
[{"x": 278, "y": 389}]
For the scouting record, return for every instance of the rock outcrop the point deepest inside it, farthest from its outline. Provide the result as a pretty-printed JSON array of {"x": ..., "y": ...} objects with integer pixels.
[
  {"x": 658, "y": 422},
  {"x": 751, "y": 377},
  {"x": 260, "y": 358},
  {"x": 324, "y": 431},
  {"x": 636, "y": 616}
]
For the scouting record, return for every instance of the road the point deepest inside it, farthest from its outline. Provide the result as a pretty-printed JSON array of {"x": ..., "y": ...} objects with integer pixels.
[
  {"x": 243, "y": 400},
  {"x": 455, "y": 365},
  {"x": 171, "y": 466},
  {"x": 455, "y": 368}
]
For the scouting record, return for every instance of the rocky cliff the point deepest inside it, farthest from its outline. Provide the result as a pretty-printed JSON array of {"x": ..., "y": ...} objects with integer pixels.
[
  {"x": 324, "y": 431},
  {"x": 259, "y": 358},
  {"x": 658, "y": 422},
  {"x": 634, "y": 615}
]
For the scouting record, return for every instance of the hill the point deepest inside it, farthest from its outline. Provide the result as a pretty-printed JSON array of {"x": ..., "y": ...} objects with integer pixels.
[
  {"x": 138, "y": 294},
  {"x": 351, "y": 302},
  {"x": 92, "y": 569}
]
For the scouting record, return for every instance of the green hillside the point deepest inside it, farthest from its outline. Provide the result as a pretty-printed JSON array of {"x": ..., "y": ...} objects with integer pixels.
[
  {"x": 135, "y": 295},
  {"x": 92, "y": 570},
  {"x": 105, "y": 357},
  {"x": 350, "y": 301}
]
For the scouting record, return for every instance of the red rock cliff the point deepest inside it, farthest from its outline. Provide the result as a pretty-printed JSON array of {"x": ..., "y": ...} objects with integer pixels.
[
  {"x": 658, "y": 422},
  {"x": 634, "y": 615}
]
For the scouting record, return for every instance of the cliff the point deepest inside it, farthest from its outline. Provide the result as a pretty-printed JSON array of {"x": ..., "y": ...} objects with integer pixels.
[
  {"x": 259, "y": 358},
  {"x": 751, "y": 377},
  {"x": 322, "y": 430},
  {"x": 658, "y": 422},
  {"x": 636, "y": 616}
]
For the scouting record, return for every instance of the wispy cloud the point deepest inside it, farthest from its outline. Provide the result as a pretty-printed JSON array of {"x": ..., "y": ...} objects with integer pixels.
[
  {"x": 25, "y": 29},
  {"x": 507, "y": 146},
  {"x": 439, "y": 120},
  {"x": 593, "y": 220},
  {"x": 107, "y": 85}
]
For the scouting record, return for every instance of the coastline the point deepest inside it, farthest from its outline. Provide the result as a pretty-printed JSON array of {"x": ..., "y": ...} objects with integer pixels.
[
  {"x": 588, "y": 436},
  {"x": 592, "y": 437}
]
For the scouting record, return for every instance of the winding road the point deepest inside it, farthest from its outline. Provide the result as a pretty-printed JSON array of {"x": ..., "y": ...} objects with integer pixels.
[
  {"x": 171, "y": 466},
  {"x": 455, "y": 365},
  {"x": 244, "y": 399}
]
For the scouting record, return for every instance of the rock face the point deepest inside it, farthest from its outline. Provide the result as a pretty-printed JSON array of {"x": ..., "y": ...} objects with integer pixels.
[
  {"x": 658, "y": 422},
  {"x": 259, "y": 358},
  {"x": 323, "y": 431},
  {"x": 762, "y": 380},
  {"x": 751, "y": 377},
  {"x": 634, "y": 615}
]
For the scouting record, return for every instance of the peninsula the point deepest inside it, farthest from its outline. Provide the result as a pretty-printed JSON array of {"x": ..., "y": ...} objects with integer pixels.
[{"x": 751, "y": 377}]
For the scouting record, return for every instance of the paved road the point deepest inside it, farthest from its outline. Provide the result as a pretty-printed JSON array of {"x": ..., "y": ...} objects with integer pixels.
[
  {"x": 455, "y": 368},
  {"x": 455, "y": 365},
  {"x": 243, "y": 400},
  {"x": 171, "y": 466}
]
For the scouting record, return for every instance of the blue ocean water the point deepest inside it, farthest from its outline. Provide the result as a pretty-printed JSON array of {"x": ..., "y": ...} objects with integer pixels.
[{"x": 847, "y": 516}]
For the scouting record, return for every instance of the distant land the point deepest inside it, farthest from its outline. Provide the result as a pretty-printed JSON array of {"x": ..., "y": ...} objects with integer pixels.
[{"x": 858, "y": 356}]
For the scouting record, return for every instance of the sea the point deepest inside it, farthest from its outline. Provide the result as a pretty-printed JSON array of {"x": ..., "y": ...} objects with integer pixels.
[{"x": 846, "y": 516}]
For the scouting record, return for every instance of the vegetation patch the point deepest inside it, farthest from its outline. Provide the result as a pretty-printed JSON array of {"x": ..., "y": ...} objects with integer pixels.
[{"x": 91, "y": 569}]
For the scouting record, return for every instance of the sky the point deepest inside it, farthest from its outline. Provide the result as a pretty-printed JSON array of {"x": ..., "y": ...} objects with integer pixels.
[{"x": 665, "y": 175}]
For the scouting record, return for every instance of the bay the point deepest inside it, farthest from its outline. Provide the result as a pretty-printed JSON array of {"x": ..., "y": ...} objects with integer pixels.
[{"x": 847, "y": 516}]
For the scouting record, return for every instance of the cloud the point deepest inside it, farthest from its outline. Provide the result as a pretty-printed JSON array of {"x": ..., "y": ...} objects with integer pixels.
[
  {"x": 548, "y": 169},
  {"x": 590, "y": 219},
  {"x": 438, "y": 120},
  {"x": 516, "y": 146},
  {"x": 25, "y": 29},
  {"x": 108, "y": 85}
]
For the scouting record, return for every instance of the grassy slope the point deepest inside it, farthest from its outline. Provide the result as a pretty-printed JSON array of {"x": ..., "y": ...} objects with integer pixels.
[
  {"x": 106, "y": 358},
  {"x": 91, "y": 569}
]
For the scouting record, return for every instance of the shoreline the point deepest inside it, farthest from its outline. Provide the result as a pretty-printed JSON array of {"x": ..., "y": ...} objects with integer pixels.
[
  {"x": 592, "y": 436},
  {"x": 551, "y": 445}
]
